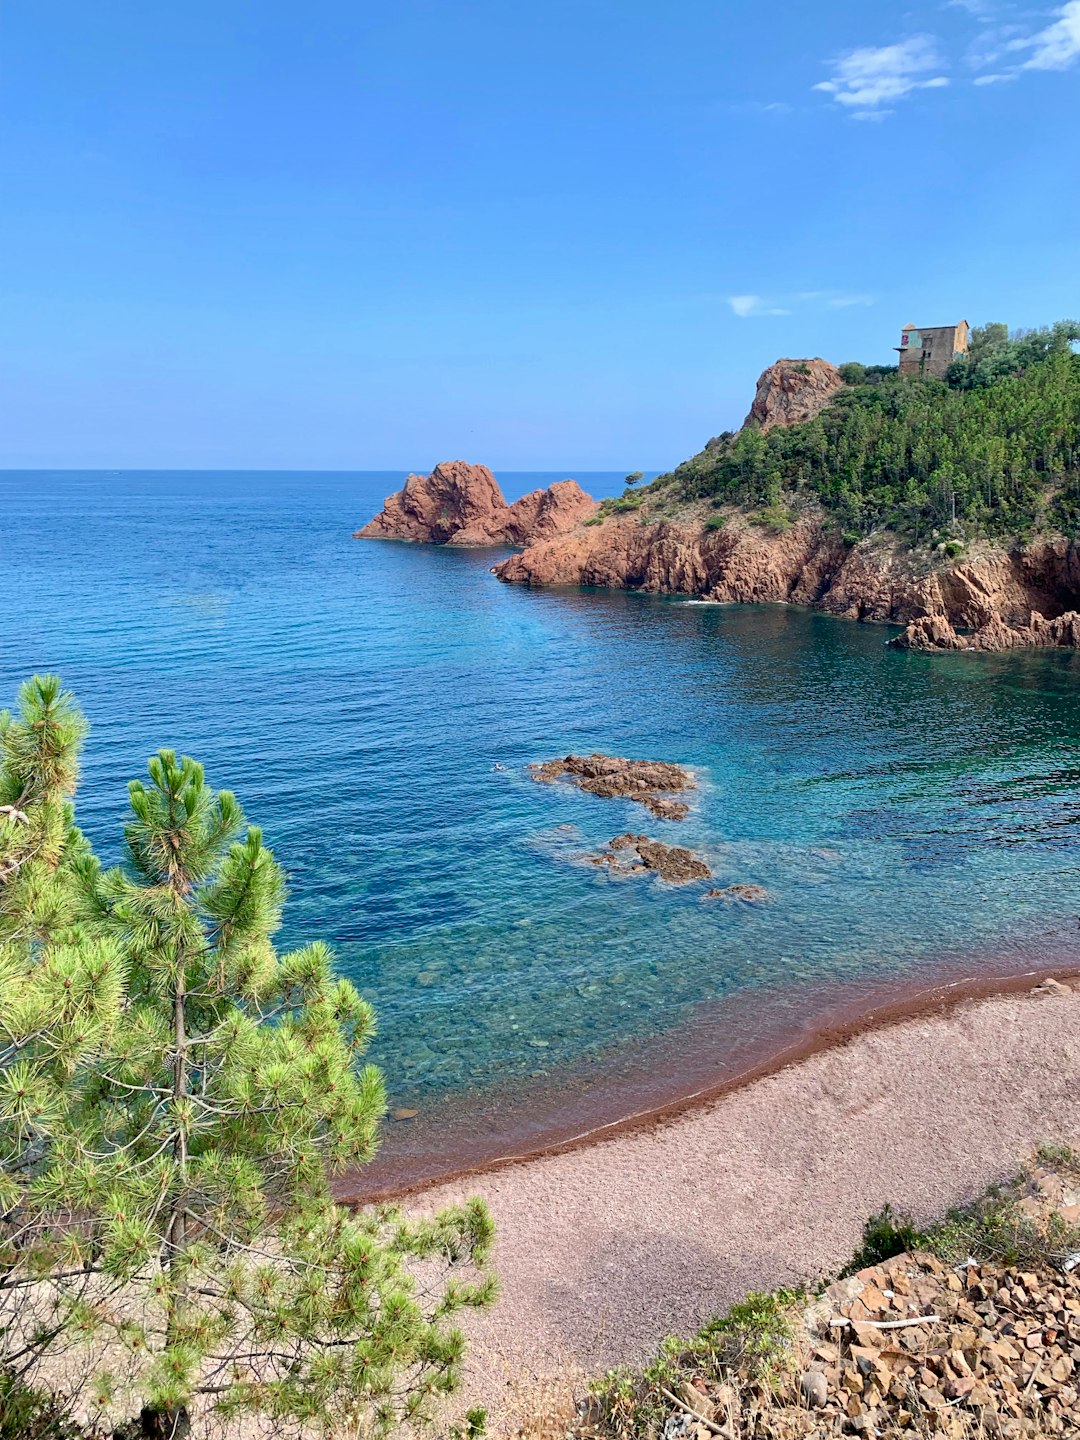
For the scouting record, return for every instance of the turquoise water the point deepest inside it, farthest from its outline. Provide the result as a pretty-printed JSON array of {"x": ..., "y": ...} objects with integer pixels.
[{"x": 903, "y": 811}]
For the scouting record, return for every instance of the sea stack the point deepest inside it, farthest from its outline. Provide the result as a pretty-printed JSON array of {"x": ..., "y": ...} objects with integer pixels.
[{"x": 462, "y": 504}]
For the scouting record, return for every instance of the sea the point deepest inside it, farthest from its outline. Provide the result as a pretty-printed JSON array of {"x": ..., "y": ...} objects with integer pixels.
[{"x": 375, "y": 706}]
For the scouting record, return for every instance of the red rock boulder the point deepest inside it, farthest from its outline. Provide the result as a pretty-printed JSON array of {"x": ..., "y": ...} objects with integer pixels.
[{"x": 461, "y": 504}]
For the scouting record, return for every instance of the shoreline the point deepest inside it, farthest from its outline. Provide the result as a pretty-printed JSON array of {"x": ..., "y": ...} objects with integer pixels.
[
  {"x": 605, "y": 1248},
  {"x": 663, "y": 1087}
]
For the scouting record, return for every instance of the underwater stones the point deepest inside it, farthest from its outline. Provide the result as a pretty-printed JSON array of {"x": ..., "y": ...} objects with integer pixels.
[
  {"x": 673, "y": 863},
  {"x": 647, "y": 782},
  {"x": 735, "y": 894}
]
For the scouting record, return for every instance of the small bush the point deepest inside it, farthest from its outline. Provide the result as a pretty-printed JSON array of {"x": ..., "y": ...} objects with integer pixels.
[
  {"x": 953, "y": 548},
  {"x": 715, "y": 522},
  {"x": 884, "y": 1235},
  {"x": 622, "y": 504},
  {"x": 27, "y": 1414},
  {"x": 776, "y": 519},
  {"x": 750, "y": 1341}
]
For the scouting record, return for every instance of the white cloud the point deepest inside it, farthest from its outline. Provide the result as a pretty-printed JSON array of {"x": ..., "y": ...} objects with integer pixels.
[
  {"x": 1057, "y": 47},
  {"x": 982, "y": 10},
  {"x": 871, "y": 78},
  {"x": 993, "y": 79},
  {"x": 747, "y": 305},
  {"x": 751, "y": 306}
]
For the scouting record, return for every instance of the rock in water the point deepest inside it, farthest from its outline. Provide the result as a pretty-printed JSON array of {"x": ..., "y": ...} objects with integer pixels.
[
  {"x": 750, "y": 894},
  {"x": 614, "y": 777},
  {"x": 673, "y": 863},
  {"x": 462, "y": 504}
]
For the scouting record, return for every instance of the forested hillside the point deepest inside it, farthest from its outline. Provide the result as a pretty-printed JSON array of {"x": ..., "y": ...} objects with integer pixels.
[{"x": 993, "y": 449}]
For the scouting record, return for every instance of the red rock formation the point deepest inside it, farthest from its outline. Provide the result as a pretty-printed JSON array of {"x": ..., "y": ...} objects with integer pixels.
[
  {"x": 934, "y": 632},
  {"x": 792, "y": 391},
  {"x": 1004, "y": 597},
  {"x": 461, "y": 504}
]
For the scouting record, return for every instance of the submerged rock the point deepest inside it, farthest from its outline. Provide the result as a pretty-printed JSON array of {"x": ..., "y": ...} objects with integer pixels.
[
  {"x": 614, "y": 777},
  {"x": 749, "y": 894},
  {"x": 673, "y": 863}
]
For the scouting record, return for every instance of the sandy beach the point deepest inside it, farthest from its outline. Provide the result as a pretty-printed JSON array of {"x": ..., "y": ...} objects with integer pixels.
[{"x": 604, "y": 1249}]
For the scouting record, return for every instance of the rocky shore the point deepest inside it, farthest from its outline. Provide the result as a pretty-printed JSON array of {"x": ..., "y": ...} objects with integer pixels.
[
  {"x": 462, "y": 504},
  {"x": 993, "y": 596}
]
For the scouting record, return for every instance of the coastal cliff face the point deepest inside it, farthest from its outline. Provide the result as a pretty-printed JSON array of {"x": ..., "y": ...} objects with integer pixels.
[
  {"x": 461, "y": 504},
  {"x": 998, "y": 596},
  {"x": 1006, "y": 598},
  {"x": 792, "y": 391}
]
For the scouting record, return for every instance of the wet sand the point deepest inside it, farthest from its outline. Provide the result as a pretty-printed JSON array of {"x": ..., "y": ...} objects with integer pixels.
[
  {"x": 605, "y": 1247},
  {"x": 728, "y": 1044}
]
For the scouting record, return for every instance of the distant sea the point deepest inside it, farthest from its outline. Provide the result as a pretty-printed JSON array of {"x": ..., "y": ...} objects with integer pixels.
[{"x": 375, "y": 706}]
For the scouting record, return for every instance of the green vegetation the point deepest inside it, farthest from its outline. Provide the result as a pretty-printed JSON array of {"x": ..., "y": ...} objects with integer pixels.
[
  {"x": 174, "y": 1097},
  {"x": 993, "y": 1228},
  {"x": 740, "y": 1365},
  {"x": 750, "y": 1339},
  {"x": 624, "y": 504},
  {"x": 993, "y": 449},
  {"x": 775, "y": 518}
]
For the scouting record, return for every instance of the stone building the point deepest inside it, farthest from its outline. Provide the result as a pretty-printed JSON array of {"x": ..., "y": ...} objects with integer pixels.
[{"x": 930, "y": 350}]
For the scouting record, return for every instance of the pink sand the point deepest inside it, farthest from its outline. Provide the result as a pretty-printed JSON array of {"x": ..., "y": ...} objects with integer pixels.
[{"x": 603, "y": 1250}]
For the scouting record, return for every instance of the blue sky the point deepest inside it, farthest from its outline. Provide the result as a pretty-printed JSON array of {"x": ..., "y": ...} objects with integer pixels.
[{"x": 379, "y": 233}]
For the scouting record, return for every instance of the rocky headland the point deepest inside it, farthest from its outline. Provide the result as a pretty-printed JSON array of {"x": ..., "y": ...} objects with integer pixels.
[
  {"x": 996, "y": 594},
  {"x": 462, "y": 504},
  {"x": 998, "y": 597}
]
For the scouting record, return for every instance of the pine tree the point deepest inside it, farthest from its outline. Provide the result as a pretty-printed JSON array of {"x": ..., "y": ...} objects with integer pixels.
[
  {"x": 60, "y": 992},
  {"x": 185, "y": 1177}
]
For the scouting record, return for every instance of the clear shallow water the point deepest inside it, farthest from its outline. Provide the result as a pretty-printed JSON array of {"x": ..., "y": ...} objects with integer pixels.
[{"x": 903, "y": 811}]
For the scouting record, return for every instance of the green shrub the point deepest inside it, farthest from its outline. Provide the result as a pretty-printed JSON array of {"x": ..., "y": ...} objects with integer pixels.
[
  {"x": 884, "y": 1235},
  {"x": 774, "y": 518},
  {"x": 27, "y": 1414},
  {"x": 750, "y": 1340}
]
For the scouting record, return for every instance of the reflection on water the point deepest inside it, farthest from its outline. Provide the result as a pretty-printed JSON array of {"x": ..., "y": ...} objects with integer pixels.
[{"x": 902, "y": 810}]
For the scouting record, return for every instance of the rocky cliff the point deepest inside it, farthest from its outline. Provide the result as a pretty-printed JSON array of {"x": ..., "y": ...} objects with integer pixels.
[
  {"x": 998, "y": 596},
  {"x": 1004, "y": 597},
  {"x": 461, "y": 504},
  {"x": 792, "y": 391}
]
